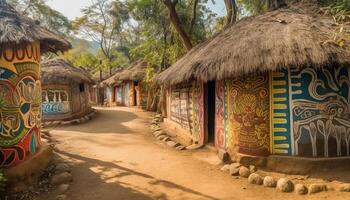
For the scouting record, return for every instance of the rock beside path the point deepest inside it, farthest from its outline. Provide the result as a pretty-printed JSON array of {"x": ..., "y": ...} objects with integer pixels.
[
  {"x": 61, "y": 197},
  {"x": 316, "y": 188},
  {"x": 63, "y": 188},
  {"x": 301, "y": 189},
  {"x": 234, "y": 169},
  {"x": 64, "y": 177},
  {"x": 225, "y": 168},
  {"x": 255, "y": 179},
  {"x": 284, "y": 185},
  {"x": 62, "y": 167},
  {"x": 269, "y": 182},
  {"x": 344, "y": 188},
  {"x": 244, "y": 172}
]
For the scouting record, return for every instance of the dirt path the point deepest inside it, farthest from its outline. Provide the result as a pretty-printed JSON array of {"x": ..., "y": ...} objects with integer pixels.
[{"x": 115, "y": 158}]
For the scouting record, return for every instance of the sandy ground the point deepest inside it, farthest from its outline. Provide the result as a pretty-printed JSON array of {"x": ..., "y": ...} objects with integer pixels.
[{"x": 115, "y": 157}]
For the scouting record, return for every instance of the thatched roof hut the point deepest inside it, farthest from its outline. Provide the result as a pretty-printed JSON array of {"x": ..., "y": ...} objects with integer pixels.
[
  {"x": 16, "y": 29},
  {"x": 60, "y": 71},
  {"x": 279, "y": 39},
  {"x": 135, "y": 72}
]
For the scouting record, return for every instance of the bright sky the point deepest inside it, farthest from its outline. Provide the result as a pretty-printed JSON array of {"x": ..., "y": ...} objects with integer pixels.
[{"x": 71, "y": 8}]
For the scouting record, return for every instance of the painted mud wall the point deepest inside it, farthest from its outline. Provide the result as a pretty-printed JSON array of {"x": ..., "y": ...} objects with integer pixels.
[
  {"x": 186, "y": 108},
  {"x": 300, "y": 112},
  {"x": 141, "y": 94},
  {"x": 20, "y": 103},
  {"x": 64, "y": 102}
]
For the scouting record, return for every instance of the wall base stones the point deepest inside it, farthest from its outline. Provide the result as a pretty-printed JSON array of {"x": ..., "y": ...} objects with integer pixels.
[{"x": 80, "y": 120}]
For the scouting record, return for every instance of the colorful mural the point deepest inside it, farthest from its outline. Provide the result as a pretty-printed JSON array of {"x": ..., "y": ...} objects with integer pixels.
[
  {"x": 280, "y": 113},
  {"x": 220, "y": 115},
  {"x": 187, "y": 109},
  {"x": 248, "y": 109},
  {"x": 55, "y": 102},
  {"x": 321, "y": 110},
  {"x": 20, "y": 103}
]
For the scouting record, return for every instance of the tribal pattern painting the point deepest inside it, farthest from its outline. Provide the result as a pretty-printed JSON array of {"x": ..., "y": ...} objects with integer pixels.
[
  {"x": 248, "y": 115},
  {"x": 20, "y": 104},
  {"x": 187, "y": 109},
  {"x": 126, "y": 93},
  {"x": 55, "y": 102},
  {"x": 220, "y": 139},
  {"x": 321, "y": 111}
]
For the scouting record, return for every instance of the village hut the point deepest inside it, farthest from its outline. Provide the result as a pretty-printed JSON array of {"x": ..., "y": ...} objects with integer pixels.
[
  {"x": 127, "y": 87},
  {"x": 272, "y": 84},
  {"x": 65, "y": 91},
  {"x": 22, "y": 42}
]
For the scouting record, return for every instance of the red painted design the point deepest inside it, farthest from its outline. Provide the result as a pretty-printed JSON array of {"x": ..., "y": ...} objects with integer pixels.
[{"x": 219, "y": 115}]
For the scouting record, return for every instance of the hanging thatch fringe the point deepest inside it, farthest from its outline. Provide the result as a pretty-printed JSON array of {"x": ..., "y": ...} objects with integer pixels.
[{"x": 16, "y": 29}]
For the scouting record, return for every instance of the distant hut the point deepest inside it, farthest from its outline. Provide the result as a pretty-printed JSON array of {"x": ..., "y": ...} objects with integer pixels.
[
  {"x": 127, "y": 86},
  {"x": 21, "y": 44},
  {"x": 65, "y": 91},
  {"x": 273, "y": 84}
]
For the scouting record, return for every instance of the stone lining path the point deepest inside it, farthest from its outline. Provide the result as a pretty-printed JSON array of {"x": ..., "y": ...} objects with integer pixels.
[{"x": 115, "y": 157}]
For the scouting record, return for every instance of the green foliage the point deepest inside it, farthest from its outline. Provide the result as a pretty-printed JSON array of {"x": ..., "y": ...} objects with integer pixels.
[
  {"x": 340, "y": 9},
  {"x": 158, "y": 42},
  {"x": 44, "y": 14}
]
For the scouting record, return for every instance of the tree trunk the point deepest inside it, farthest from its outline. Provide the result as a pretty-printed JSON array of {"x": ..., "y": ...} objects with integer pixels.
[
  {"x": 232, "y": 11},
  {"x": 276, "y": 4},
  {"x": 174, "y": 18}
]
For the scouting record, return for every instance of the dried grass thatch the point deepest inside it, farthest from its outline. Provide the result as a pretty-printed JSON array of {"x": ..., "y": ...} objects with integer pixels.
[
  {"x": 135, "y": 72},
  {"x": 16, "y": 29},
  {"x": 60, "y": 71},
  {"x": 291, "y": 36}
]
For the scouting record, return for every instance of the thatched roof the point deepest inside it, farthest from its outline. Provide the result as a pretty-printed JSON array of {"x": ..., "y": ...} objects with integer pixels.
[
  {"x": 16, "y": 29},
  {"x": 279, "y": 39},
  {"x": 135, "y": 72},
  {"x": 60, "y": 71}
]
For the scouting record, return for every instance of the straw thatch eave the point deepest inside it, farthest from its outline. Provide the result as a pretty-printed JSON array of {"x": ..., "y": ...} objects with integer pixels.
[
  {"x": 135, "y": 72},
  {"x": 274, "y": 40},
  {"x": 16, "y": 30},
  {"x": 59, "y": 71}
]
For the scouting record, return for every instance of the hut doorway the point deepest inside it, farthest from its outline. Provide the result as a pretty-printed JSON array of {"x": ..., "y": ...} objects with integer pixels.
[
  {"x": 210, "y": 108},
  {"x": 136, "y": 84}
]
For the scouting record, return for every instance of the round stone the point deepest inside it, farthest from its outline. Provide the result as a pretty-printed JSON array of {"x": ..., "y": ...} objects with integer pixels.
[
  {"x": 255, "y": 179},
  {"x": 253, "y": 169},
  {"x": 244, "y": 172},
  {"x": 301, "y": 189},
  {"x": 63, "y": 188},
  {"x": 316, "y": 188},
  {"x": 64, "y": 177},
  {"x": 62, "y": 167},
  {"x": 344, "y": 188},
  {"x": 284, "y": 185},
  {"x": 225, "y": 168},
  {"x": 269, "y": 182}
]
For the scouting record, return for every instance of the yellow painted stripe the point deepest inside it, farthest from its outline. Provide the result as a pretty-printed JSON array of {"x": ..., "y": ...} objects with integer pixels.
[
  {"x": 277, "y": 99},
  {"x": 279, "y": 130},
  {"x": 279, "y": 91},
  {"x": 281, "y": 146},
  {"x": 280, "y": 138},
  {"x": 279, "y": 121},
  {"x": 279, "y": 115},
  {"x": 278, "y": 74},
  {"x": 280, "y": 151},
  {"x": 279, "y": 83},
  {"x": 279, "y": 106}
]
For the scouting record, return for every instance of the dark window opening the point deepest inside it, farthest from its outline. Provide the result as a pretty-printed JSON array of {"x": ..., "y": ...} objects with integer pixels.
[
  {"x": 82, "y": 87},
  {"x": 211, "y": 111}
]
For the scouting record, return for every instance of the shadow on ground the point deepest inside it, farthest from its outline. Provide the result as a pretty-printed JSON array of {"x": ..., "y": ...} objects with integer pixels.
[{"x": 95, "y": 170}]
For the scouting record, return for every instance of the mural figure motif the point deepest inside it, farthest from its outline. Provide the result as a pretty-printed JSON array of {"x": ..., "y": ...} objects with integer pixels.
[
  {"x": 248, "y": 105},
  {"x": 20, "y": 104},
  {"x": 321, "y": 111}
]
